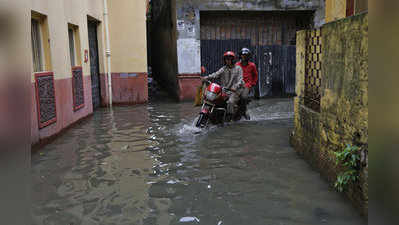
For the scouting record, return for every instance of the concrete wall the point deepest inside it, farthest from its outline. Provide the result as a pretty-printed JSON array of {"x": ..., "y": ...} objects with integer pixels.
[
  {"x": 335, "y": 9},
  {"x": 343, "y": 116},
  {"x": 188, "y": 24},
  {"x": 128, "y": 39},
  {"x": 59, "y": 13}
]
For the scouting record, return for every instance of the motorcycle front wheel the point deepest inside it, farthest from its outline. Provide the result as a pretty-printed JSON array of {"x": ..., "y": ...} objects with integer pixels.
[{"x": 202, "y": 120}]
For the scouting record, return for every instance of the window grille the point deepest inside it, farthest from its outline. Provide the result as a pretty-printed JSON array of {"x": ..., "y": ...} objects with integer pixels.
[
  {"x": 313, "y": 69},
  {"x": 45, "y": 98}
]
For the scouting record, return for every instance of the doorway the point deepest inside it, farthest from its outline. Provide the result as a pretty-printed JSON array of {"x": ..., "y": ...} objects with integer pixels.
[{"x": 94, "y": 64}]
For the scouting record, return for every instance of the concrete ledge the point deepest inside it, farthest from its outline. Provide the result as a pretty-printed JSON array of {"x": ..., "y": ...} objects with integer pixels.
[
  {"x": 127, "y": 88},
  {"x": 188, "y": 84}
]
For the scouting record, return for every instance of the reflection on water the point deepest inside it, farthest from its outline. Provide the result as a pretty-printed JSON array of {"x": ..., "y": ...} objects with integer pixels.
[{"x": 149, "y": 165}]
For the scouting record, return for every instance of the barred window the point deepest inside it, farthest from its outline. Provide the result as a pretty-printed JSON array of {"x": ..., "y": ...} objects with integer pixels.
[{"x": 36, "y": 46}]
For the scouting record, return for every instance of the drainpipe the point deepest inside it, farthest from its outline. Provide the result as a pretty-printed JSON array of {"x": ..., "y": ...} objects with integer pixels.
[{"x": 108, "y": 52}]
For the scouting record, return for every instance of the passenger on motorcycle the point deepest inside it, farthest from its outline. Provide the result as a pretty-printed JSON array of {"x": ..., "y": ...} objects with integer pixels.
[
  {"x": 231, "y": 78},
  {"x": 250, "y": 74}
]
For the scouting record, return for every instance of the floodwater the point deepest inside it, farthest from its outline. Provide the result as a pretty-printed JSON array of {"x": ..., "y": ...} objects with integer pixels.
[{"x": 148, "y": 165}]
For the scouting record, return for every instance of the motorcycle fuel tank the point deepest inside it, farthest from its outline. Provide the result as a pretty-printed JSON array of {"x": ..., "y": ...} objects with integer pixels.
[{"x": 215, "y": 88}]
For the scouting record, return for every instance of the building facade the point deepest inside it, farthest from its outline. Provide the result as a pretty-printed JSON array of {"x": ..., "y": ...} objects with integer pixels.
[
  {"x": 200, "y": 30},
  {"x": 69, "y": 59}
]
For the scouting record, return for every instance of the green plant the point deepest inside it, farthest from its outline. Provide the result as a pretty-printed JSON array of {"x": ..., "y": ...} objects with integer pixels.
[{"x": 349, "y": 158}]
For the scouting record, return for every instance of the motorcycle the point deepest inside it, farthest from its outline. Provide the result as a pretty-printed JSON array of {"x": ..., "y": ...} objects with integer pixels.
[{"x": 214, "y": 107}]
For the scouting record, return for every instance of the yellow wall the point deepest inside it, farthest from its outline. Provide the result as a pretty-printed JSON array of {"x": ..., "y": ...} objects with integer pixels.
[
  {"x": 127, "y": 24},
  {"x": 59, "y": 13},
  {"x": 335, "y": 9}
]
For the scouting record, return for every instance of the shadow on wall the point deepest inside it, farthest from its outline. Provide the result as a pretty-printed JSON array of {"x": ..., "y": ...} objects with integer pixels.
[{"x": 163, "y": 49}]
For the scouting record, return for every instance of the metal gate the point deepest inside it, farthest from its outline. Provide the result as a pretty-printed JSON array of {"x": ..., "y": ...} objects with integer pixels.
[
  {"x": 272, "y": 39},
  {"x": 276, "y": 67},
  {"x": 94, "y": 64},
  {"x": 276, "y": 64},
  {"x": 212, "y": 51}
]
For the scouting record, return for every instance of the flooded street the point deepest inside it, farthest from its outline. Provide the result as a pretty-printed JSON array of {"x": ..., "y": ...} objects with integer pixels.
[{"x": 147, "y": 165}]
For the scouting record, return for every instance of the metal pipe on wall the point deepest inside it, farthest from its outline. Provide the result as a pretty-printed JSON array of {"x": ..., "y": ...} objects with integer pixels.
[{"x": 108, "y": 52}]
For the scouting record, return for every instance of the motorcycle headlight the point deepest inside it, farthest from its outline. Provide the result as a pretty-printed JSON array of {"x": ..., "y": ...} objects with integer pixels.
[{"x": 211, "y": 96}]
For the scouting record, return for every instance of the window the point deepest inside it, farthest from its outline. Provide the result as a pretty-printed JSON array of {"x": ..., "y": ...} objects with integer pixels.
[
  {"x": 76, "y": 65},
  {"x": 74, "y": 45},
  {"x": 36, "y": 46},
  {"x": 40, "y": 43},
  {"x": 71, "y": 46}
]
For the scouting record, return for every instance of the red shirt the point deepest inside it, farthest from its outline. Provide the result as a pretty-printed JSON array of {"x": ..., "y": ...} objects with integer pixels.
[{"x": 250, "y": 74}]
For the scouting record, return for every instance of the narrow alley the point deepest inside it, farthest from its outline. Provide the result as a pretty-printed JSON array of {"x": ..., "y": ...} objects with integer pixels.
[
  {"x": 149, "y": 165},
  {"x": 131, "y": 104}
]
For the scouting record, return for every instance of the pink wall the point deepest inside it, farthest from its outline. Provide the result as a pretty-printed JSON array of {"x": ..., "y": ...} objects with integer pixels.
[
  {"x": 188, "y": 84},
  {"x": 127, "y": 88},
  {"x": 64, "y": 105}
]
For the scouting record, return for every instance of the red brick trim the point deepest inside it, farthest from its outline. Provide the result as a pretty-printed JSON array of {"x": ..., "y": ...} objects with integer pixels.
[
  {"x": 76, "y": 108},
  {"x": 44, "y": 124}
]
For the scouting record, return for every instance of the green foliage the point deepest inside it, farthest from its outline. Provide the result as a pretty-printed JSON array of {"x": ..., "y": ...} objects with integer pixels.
[{"x": 350, "y": 159}]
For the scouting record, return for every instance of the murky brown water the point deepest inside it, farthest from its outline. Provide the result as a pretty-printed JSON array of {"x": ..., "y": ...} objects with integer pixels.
[{"x": 148, "y": 165}]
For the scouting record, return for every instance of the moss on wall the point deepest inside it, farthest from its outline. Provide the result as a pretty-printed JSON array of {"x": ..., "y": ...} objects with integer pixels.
[
  {"x": 343, "y": 117},
  {"x": 344, "y": 103}
]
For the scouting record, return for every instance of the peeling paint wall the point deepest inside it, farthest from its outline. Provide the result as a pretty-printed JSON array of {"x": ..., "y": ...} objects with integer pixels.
[
  {"x": 188, "y": 43},
  {"x": 189, "y": 50}
]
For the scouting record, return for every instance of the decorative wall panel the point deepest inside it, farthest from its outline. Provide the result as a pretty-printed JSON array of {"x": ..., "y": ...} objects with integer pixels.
[
  {"x": 313, "y": 69},
  {"x": 45, "y": 99},
  {"x": 77, "y": 88}
]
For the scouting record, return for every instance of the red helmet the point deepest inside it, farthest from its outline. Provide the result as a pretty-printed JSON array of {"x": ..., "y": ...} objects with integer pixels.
[{"x": 229, "y": 53}]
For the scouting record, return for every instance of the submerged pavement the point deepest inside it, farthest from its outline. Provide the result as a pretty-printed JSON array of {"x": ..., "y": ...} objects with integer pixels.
[{"x": 148, "y": 165}]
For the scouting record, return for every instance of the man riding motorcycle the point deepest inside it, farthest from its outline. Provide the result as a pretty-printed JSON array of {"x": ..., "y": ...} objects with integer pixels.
[{"x": 231, "y": 78}]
